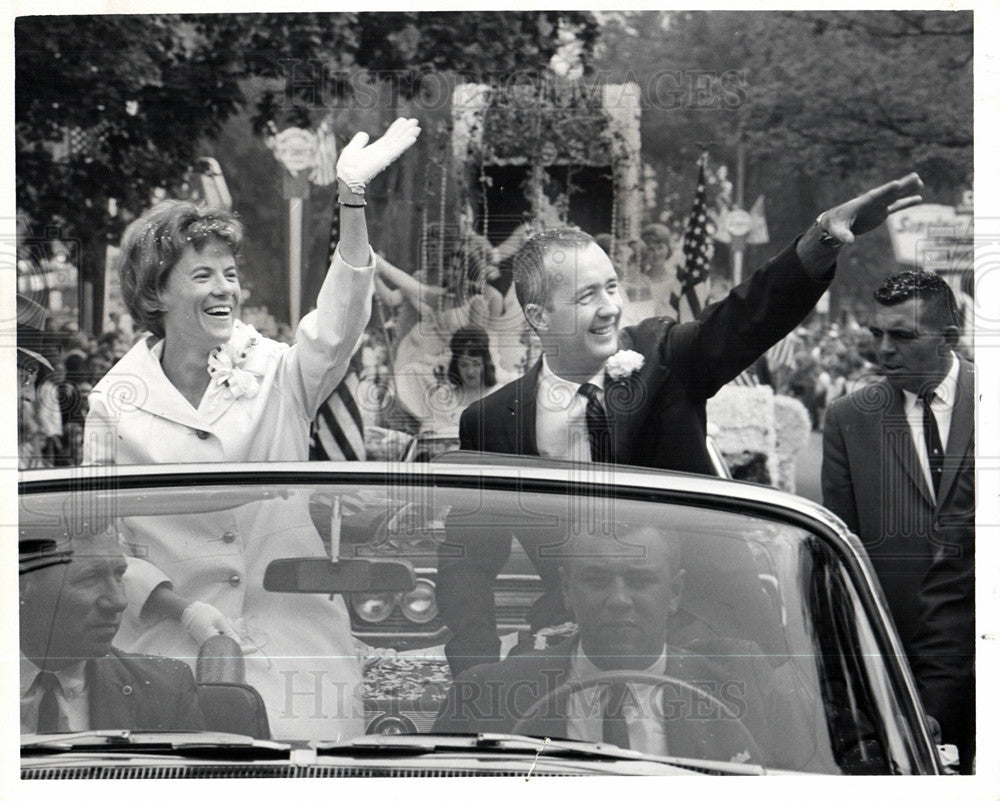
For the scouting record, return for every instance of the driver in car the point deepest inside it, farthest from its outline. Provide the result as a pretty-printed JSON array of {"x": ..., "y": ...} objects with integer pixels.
[
  {"x": 71, "y": 606},
  {"x": 619, "y": 681}
]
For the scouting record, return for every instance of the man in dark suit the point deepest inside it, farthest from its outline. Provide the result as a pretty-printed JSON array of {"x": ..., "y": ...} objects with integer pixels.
[
  {"x": 630, "y": 396},
  {"x": 623, "y": 590},
  {"x": 899, "y": 469},
  {"x": 71, "y": 603}
]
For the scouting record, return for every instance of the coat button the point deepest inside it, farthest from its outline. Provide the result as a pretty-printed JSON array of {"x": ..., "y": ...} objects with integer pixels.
[
  {"x": 126, "y": 690},
  {"x": 229, "y": 536},
  {"x": 202, "y": 435},
  {"x": 234, "y": 580}
]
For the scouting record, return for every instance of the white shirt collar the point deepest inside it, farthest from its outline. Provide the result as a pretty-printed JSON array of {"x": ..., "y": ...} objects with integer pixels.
[
  {"x": 565, "y": 386},
  {"x": 944, "y": 393},
  {"x": 72, "y": 679},
  {"x": 583, "y": 668}
]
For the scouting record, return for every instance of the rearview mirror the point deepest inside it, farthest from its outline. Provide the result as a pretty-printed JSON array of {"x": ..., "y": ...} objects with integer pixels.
[{"x": 345, "y": 575}]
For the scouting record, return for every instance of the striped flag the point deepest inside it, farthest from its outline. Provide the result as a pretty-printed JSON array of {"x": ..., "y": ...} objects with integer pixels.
[
  {"x": 689, "y": 295},
  {"x": 338, "y": 432},
  {"x": 748, "y": 378}
]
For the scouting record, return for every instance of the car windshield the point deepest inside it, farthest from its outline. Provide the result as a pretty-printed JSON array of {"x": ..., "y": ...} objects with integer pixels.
[{"x": 696, "y": 627}]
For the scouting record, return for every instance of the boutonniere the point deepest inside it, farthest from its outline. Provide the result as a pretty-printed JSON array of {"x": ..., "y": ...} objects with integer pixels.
[
  {"x": 623, "y": 363},
  {"x": 227, "y": 364}
]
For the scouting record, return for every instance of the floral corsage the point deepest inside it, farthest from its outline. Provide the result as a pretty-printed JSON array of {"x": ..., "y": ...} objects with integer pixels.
[
  {"x": 227, "y": 364},
  {"x": 623, "y": 363}
]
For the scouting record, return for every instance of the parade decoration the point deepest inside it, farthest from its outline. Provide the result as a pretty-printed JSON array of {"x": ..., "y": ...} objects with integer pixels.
[
  {"x": 308, "y": 158},
  {"x": 554, "y": 131}
]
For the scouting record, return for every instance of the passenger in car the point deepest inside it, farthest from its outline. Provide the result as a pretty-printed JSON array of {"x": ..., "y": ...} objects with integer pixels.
[
  {"x": 72, "y": 679},
  {"x": 203, "y": 387},
  {"x": 718, "y": 702},
  {"x": 634, "y": 395}
]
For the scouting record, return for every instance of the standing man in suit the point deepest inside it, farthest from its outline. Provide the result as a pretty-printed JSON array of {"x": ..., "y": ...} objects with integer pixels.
[
  {"x": 72, "y": 679},
  {"x": 626, "y": 396},
  {"x": 899, "y": 469}
]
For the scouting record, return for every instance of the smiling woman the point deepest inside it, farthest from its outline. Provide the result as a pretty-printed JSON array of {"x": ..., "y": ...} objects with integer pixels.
[{"x": 204, "y": 387}]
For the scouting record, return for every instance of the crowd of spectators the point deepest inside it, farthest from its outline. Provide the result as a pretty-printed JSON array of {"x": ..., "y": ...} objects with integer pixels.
[{"x": 50, "y": 425}]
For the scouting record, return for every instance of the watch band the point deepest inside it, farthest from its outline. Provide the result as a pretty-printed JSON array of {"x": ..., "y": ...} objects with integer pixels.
[{"x": 825, "y": 237}]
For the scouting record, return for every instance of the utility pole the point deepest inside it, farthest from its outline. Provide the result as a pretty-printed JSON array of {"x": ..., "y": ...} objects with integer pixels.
[{"x": 738, "y": 220}]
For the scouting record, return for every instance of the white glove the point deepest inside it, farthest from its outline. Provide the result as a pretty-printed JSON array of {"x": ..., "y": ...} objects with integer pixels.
[
  {"x": 203, "y": 621},
  {"x": 358, "y": 164}
]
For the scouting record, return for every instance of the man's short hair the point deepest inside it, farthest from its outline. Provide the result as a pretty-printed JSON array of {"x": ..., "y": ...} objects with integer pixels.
[
  {"x": 531, "y": 282},
  {"x": 927, "y": 286}
]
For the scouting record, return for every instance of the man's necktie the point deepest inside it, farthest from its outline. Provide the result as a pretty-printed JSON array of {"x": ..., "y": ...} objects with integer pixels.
[
  {"x": 48, "y": 707},
  {"x": 932, "y": 437},
  {"x": 614, "y": 728},
  {"x": 598, "y": 431}
]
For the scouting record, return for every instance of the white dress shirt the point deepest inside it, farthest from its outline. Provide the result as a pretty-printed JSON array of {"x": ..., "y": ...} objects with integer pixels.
[
  {"x": 561, "y": 415},
  {"x": 74, "y": 701},
  {"x": 942, "y": 406},
  {"x": 584, "y": 710}
]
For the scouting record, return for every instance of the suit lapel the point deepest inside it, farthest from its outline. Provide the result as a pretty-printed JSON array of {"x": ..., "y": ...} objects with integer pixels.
[
  {"x": 960, "y": 433},
  {"x": 519, "y": 424},
  {"x": 111, "y": 694},
  {"x": 895, "y": 427}
]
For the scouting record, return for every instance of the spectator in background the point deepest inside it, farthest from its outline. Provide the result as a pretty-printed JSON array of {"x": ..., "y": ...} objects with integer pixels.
[
  {"x": 32, "y": 366},
  {"x": 656, "y": 266},
  {"x": 470, "y": 375}
]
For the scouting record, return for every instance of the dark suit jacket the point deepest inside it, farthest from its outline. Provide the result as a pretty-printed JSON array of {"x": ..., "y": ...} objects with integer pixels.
[
  {"x": 923, "y": 552},
  {"x": 495, "y": 697},
  {"x": 145, "y": 693},
  {"x": 657, "y": 417}
]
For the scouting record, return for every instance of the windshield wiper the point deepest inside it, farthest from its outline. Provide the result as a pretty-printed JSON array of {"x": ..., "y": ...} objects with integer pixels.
[
  {"x": 209, "y": 745},
  {"x": 412, "y": 744}
]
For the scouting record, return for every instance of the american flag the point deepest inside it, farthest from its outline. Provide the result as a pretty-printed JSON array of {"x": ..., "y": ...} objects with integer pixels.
[
  {"x": 338, "y": 432},
  {"x": 691, "y": 290}
]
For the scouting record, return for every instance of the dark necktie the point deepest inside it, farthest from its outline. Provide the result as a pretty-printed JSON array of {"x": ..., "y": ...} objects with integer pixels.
[
  {"x": 48, "y": 707},
  {"x": 932, "y": 438},
  {"x": 597, "y": 425},
  {"x": 614, "y": 728}
]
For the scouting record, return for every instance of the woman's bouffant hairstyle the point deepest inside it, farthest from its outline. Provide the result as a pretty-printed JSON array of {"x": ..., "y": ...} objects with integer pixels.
[
  {"x": 471, "y": 341},
  {"x": 155, "y": 242}
]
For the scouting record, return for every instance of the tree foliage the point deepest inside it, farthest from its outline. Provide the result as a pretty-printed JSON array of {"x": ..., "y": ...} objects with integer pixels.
[
  {"x": 826, "y": 103},
  {"x": 115, "y": 106}
]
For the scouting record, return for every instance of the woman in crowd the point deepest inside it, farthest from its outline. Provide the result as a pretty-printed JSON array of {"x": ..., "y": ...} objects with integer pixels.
[
  {"x": 203, "y": 387},
  {"x": 469, "y": 376}
]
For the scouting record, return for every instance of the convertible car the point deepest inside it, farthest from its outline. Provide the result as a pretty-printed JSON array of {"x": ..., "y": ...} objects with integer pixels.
[{"x": 774, "y": 577}]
